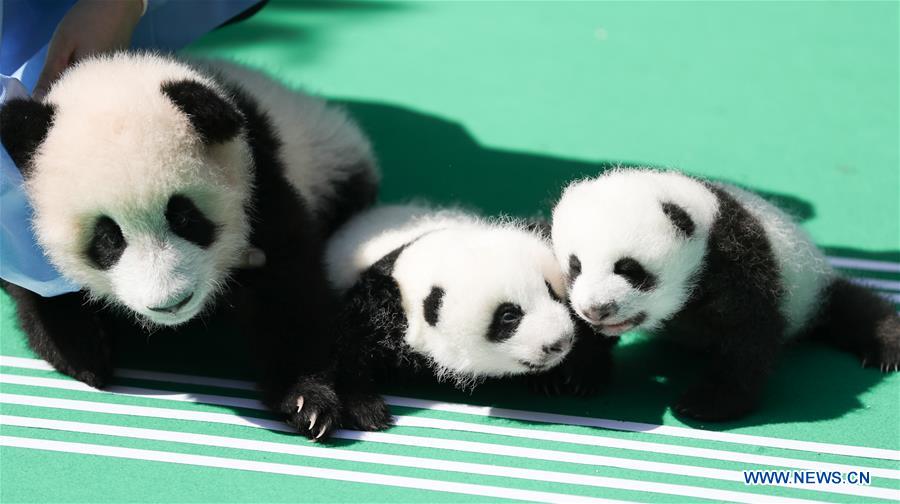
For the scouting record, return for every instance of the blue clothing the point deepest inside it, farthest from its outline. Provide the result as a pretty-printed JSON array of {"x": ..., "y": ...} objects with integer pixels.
[{"x": 25, "y": 30}]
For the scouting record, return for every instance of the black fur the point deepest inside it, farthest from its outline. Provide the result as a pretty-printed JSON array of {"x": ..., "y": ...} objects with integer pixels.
[
  {"x": 680, "y": 218},
  {"x": 292, "y": 304},
  {"x": 24, "y": 124},
  {"x": 507, "y": 317},
  {"x": 553, "y": 295},
  {"x": 734, "y": 314},
  {"x": 432, "y": 305},
  {"x": 213, "y": 118},
  {"x": 859, "y": 321},
  {"x": 635, "y": 273},
  {"x": 356, "y": 193},
  {"x": 574, "y": 267},
  {"x": 385, "y": 265},
  {"x": 107, "y": 243},
  {"x": 188, "y": 222},
  {"x": 67, "y": 332},
  {"x": 371, "y": 331},
  {"x": 539, "y": 226}
]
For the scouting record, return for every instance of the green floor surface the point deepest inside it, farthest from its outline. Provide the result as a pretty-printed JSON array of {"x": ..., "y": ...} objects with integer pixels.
[{"x": 496, "y": 105}]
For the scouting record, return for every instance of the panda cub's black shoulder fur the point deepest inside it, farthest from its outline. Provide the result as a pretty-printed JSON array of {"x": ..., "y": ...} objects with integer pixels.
[{"x": 735, "y": 308}]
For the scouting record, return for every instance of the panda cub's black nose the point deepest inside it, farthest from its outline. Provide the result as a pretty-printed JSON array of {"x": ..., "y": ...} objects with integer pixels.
[
  {"x": 557, "y": 347},
  {"x": 172, "y": 308},
  {"x": 598, "y": 313}
]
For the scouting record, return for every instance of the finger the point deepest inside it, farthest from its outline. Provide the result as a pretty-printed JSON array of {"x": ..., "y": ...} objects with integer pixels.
[{"x": 58, "y": 59}]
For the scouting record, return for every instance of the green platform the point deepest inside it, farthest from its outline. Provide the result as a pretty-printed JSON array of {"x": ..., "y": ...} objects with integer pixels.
[{"x": 496, "y": 105}]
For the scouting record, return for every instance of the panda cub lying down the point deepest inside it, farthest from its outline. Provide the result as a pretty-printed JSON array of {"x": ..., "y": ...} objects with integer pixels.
[
  {"x": 444, "y": 292},
  {"x": 714, "y": 266},
  {"x": 151, "y": 178}
]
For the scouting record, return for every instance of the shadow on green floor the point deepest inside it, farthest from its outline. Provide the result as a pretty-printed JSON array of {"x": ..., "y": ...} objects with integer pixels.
[{"x": 430, "y": 157}]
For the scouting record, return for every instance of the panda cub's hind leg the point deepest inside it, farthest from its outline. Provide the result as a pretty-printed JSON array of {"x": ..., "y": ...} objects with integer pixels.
[{"x": 859, "y": 321}]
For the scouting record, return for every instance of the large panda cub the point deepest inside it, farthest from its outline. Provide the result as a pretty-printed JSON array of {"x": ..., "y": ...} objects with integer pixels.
[
  {"x": 153, "y": 180},
  {"x": 716, "y": 266},
  {"x": 446, "y": 292}
]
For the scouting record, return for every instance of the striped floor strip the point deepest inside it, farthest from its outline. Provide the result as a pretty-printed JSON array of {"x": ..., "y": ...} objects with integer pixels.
[
  {"x": 443, "y": 465},
  {"x": 436, "y": 443},
  {"x": 295, "y": 470},
  {"x": 854, "y": 263},
  {"x": 533, "y": 416},
  {"x": 418, "y": 462},
  {"x": 483, "y": 448}
]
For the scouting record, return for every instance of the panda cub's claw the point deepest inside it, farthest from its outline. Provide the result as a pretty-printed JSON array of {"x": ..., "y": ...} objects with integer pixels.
[
  {"x": 313, "y": 409},
  {"x": 884, "y": 350},
  {"x": 886, "y": 359},
  {"x": 366, "y": 412}
]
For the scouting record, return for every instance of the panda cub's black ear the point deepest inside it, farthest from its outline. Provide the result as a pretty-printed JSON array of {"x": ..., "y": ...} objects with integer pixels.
[
  {"x": 24, "y": 124},
  {"x": 680, "y": 218},
  {"x": 214, "y": 118}
]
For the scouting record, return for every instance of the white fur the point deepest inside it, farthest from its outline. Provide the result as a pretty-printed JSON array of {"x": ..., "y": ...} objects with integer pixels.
[
  {"x": 480, "y": 264},
  {"x": 119, "y": 147},
  {"x": 619, "y": 214},
  {"x": 324, "y": 146}
]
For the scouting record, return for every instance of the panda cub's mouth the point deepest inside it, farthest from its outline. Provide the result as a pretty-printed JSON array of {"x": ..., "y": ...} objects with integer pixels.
[{"x": 619, "y": 328}]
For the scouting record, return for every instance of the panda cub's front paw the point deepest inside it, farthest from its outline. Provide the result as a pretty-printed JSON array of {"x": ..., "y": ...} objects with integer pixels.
[
  {"x": 313, "y": 409},
  {"x": 366, "y": 412},
  {"x": 715, "y": 401},
  {"x": 567, "y": 380},
  {"x": 585, "y": 371}
]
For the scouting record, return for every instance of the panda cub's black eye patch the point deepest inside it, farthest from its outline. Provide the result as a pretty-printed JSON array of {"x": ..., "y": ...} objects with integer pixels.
[
  {"x": 634, "y": 272},
  {"x": 188, "y": 222},
  {"x": 574, "y": 267},
  {"x": 432, "y": 305},
  {"x": 506, "y": 319},
  {"x": 107, "y": 243}
]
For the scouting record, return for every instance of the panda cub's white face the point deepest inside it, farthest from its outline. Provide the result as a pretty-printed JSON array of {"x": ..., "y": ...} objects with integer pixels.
[
  {"x": 162, "y": 265},
  {"x": 131, "y": 200},
  {"x": 484, "y": 301},
  {"x": 631, "y": 243}
]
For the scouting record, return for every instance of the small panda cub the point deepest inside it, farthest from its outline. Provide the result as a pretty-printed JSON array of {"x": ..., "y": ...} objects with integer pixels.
[
  {"x": 444, "y": 291},
  {"x": 715, "y": 266}
]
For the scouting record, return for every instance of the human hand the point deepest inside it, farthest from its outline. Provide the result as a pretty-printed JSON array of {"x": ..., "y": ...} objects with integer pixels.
[{"x": 90, "y": 27}]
